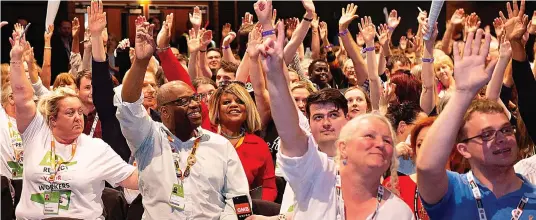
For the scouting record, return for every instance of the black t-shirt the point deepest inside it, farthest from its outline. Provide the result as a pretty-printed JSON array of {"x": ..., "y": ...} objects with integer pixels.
[{"x": 271, "y": 137}]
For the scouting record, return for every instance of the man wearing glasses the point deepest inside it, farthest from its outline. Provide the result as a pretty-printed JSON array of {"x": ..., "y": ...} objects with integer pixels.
[{"x": 186, "y": 172}]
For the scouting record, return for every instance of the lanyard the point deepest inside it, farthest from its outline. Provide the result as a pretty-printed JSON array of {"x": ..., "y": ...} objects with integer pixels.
[
  {"x": 190, "y": 161},
  {"x": 54, "y": 161},
  {"x": 516, "y": 213},
  {"x": 16, "y": 143},
  {"x": 416, "y": 209},
  {"x": 341, "y": 213},
  {"x": 94, "y": 125},
  {"x": 240, "y": 142}
]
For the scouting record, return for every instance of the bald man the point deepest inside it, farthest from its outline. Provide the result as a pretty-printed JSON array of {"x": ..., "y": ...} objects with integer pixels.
[{"x": 186, "y": 172}]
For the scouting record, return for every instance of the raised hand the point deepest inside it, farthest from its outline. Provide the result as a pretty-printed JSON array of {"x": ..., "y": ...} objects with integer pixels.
[
  {"x": 263, "y": 9},
  {"x": 347, "y": 16},
  {"x": 309, "y": 6},
  {"x": 472, "y": 23},
  {"x": 404, "y": 150},
  {"x": 227, "y": 40},
  {"x": 49, "y": 32},
  {"x": 498, "y": 25},
  {"x": 458, "y": 17},
  {"x": 247, "y": 19},
  {"x": 206, "y": 38},
  {"x": 194, "y": 40},
  {"x": 403, "y": 43},
  {"x": 410, "y": 34},
  {"x": 254, "y": 42},
  {"x": 291, "y": 24},
  {"x": 470, "y": 71},
  {"x": 393, "y": 21},
  {"x": 28, "y": 54},
  {"x": 532, "y": 26},
  {"x": 145, "y": 47},
  {"x": 367, "y": 28},
  {"x": 19, "y": 29},
  {"x": 196, "y": 18},
  {"x": 323, "y": 30},
  {"x": 432, "y": 40},
  {"x": 96, "y": 18},
  {"x": 76, "y": 27},
  {"x": 225, "y": 30},
  {"x": 315, "y": 22},
  {"x": 383, "y": 34},
  {"x": 162, "y": 39},
  {"x": 17, "y": 46},
  {"x": 516, "y": 24}
]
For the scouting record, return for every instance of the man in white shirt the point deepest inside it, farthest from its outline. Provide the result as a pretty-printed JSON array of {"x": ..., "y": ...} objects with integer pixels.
[{"x": 186, "y": 172}]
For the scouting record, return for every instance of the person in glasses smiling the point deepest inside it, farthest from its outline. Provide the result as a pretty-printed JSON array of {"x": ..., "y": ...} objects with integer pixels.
[
  {"x": 235, "y": 113},
  {"x": 186, "y": 172}
]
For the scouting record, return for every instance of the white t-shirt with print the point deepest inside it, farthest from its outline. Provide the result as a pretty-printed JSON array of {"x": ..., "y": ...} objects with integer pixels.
[
  {"x": 93, "y": 163},
  {"x": 7, "y": 146},
  {"x": 313, "y": 178}
]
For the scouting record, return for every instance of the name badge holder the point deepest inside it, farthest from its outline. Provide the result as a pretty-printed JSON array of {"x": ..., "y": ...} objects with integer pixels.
[{"x": 176, "y": 198}]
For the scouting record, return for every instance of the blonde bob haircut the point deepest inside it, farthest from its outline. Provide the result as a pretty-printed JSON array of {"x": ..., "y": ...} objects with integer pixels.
[
  {"x": 348, "y": 132},
  {"x": 253, "y": 119},
  {"x": 48, "y": 105}
]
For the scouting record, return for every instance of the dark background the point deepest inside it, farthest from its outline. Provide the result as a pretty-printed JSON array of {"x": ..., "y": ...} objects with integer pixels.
[{"x": 329, "y": 11}]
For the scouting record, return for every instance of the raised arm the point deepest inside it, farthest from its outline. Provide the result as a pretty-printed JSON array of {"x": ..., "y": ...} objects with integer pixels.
[
  {"x": 21, "y": 86},
  {"x": 206, "y": 38},
  {"x": 75, "y": 60},
  {"x": 262, "y": 98},
  {"x": 75, "y": 45},
  {"x": 427, "y": 100},
  {"x": 493, "y": 90},
  {"x": 195, "y": 19},
  {"x": 226, "y": 48},
  {"x": 133, "y": 81},
  {"x": 242, "y": 73},
  {"x": 456, "y": 19},
  {"x": 470, "y": 75},
  {"x": 284, "y": 114},
  {"x": 86, "y": 58},
  {"x": 300, "y": 32},
  {"x": 369, "y": 32},
  {"x": 315, "y": 38},
  {"x": 348, "y": 42},
  {"x": 97, "y": 24},
  {"x": 384, "y": 40},
  {"x": 46, "y": 74}
]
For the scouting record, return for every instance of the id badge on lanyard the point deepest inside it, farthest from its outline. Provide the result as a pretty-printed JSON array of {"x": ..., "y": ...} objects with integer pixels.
[{"x": 51, "y": 202}]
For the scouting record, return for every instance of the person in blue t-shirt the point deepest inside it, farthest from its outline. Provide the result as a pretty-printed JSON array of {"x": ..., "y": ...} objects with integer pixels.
[{"x": 482, "y": 133}]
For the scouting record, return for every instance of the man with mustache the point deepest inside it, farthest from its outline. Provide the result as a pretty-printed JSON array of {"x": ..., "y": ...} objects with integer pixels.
[{"x": 186, "y": 172}]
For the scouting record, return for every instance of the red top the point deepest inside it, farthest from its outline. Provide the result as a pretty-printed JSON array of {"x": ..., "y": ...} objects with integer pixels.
[
  {"x": 258, "y": 165},
  {"x": 407, "y": 189},
  {"x": 174, "y": 71}
]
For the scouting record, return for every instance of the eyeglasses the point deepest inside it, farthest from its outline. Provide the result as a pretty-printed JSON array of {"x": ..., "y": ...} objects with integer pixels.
[
  {"x": 490, "y": 135},
  {"x": 225, "y": 83},
  {"x": 184, "y": 101}
]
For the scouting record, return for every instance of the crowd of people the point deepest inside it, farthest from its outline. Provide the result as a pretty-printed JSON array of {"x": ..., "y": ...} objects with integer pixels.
[{"x": 428, "y": 129}]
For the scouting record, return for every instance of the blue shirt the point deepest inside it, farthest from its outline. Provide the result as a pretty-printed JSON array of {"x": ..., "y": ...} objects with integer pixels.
[{"x": 459, "y": 202}]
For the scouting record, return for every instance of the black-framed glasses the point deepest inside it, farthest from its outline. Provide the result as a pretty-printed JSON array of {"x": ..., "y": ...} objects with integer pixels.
[
  {"x": 184, "y": 101},
  {"x": 492, "y": 134},
  {"x": 225, "y": 83}
]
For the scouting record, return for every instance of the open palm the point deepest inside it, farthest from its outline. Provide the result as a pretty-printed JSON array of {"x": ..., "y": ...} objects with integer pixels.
[
  {"x": 457, "y": 17},
  {"x": 263, "y": 9},
  {"x": 144, "y": 39},
  {"x": 393, "y": 21},
  {"x": 194, "y": 40},
  {"x": 96, "y": 17},
  {"x": 195, "y": 17},
  {"x": 165, "y": 33},
  {"x": 347, "y": 16},
  {"x": 367, "y": 28},
  {"x": 470, "y": 71}
]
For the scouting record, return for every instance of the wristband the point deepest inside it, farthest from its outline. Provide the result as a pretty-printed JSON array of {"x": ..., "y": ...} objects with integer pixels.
[
  {"x": 202, "y": 51},
  {"x": 367, "y": 49},
  {"x": 48, "y": 47},
  {"x": 15, "y": 62},
  {"x": 225, "y": 47},
  {"x": 427, "y": 60},
  {"x": 328, "y": 46},
  {"x": 307, "y": 19},
  {"x": 343, "y": 33},
  {"x": 162, "y": 49},
  {"x": 268, "y": 33},
  {"x": 391, "y": 29}
]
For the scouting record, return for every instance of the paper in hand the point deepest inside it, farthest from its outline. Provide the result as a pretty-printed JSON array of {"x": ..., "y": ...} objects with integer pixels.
[
  {"x": 52, "y": 10},
  {"x": 435, "y": 9}
]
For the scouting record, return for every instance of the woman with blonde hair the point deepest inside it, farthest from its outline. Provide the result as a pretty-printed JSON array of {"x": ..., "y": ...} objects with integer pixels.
[
  {"x": 234, "y": 112},
  {"x": 64, "y": 170}
]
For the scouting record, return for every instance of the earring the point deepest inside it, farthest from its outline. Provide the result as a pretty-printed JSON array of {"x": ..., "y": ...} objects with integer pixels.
[{"x": 344, "y": 162}]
